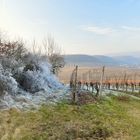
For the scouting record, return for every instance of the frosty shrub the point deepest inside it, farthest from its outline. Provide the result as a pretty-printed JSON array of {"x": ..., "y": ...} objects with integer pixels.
[
  {"x": 13, "y": 49},
  {"x": 10, "y": 64},
  {"x": 11, "y": 55},
  {"x": 23, "y": 70},
  {"x": 7, "y": 82},
  {"x": 37, "y": 77}
]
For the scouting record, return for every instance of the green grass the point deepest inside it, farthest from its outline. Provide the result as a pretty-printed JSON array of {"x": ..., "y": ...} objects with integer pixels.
[{"x": 110, "y": 119}]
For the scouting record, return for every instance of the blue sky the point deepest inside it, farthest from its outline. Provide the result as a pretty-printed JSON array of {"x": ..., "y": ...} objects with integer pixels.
[{"x": 79, "y": 26}]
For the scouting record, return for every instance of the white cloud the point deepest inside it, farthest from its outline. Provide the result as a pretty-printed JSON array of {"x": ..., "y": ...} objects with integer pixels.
[
  {"x": 98, "y": 30},
  {"x": 107, "y": 30},
  {"x": 133, "y": 29}
]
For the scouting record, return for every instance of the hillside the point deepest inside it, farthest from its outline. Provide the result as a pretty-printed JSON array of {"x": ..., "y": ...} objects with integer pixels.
[
  {"x": 94, "y": 60},
  {"x": 110, "y": 119},
  {"x": 128, "y": 60}
]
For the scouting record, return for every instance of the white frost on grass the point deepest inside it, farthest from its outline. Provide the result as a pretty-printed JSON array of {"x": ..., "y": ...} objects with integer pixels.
[{"x": 27, "y": 100}]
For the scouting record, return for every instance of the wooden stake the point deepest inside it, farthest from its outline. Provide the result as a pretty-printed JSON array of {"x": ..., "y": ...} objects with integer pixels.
[
  {"x": 75, "y": 85},
  {"x": 102, "y": 78}
]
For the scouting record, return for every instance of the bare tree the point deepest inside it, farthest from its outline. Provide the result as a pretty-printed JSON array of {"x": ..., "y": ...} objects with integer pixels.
[
  {"x": 53, "y": 53},
  {"x": 12, "y": 49},
  {"x": 57, "y": 62}
]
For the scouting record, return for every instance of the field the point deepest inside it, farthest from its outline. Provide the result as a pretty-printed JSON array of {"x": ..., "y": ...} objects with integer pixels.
[
  {"x": 66, "y": 72},
  {"x": 111, "y": 119},
  {"x": 120, "y": 79},
  {"x": 91, "y": 73}
]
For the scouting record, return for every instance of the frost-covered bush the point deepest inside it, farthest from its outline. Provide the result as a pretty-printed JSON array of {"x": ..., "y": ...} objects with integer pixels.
[
  {"x": 11, "y": 55},
  {"x": 31, "y": 58},
  {"x": 23, "y": 70},
  {"x": 23, "y": 73},
  {"x": 7, "y": 82},
  {"x": 31, "y": 67},
  {"x": 37, "y": 78},
  {"x": 10, "y": 64}
]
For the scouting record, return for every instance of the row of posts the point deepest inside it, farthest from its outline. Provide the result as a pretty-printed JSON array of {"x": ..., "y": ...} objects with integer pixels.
[
  {"x": 75, "y": 85},
  {"x": 98, "y": 85}
]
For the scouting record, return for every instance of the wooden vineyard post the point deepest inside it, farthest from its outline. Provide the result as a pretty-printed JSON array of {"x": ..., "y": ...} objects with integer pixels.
[
  {"x": 139, "y": 83},
  {"x": 124, "y": 81},
  {"x": 102, "y": 78},
  {"x": 75, "y": 85},
  {"x": 139, "y": 87}
]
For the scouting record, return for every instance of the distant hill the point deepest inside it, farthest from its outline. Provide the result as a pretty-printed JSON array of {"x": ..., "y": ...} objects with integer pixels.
[
  {"x": 134, "y": 54},
  {"x": 128, "y": 60},
  {"x": 97, "y": 60}
]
